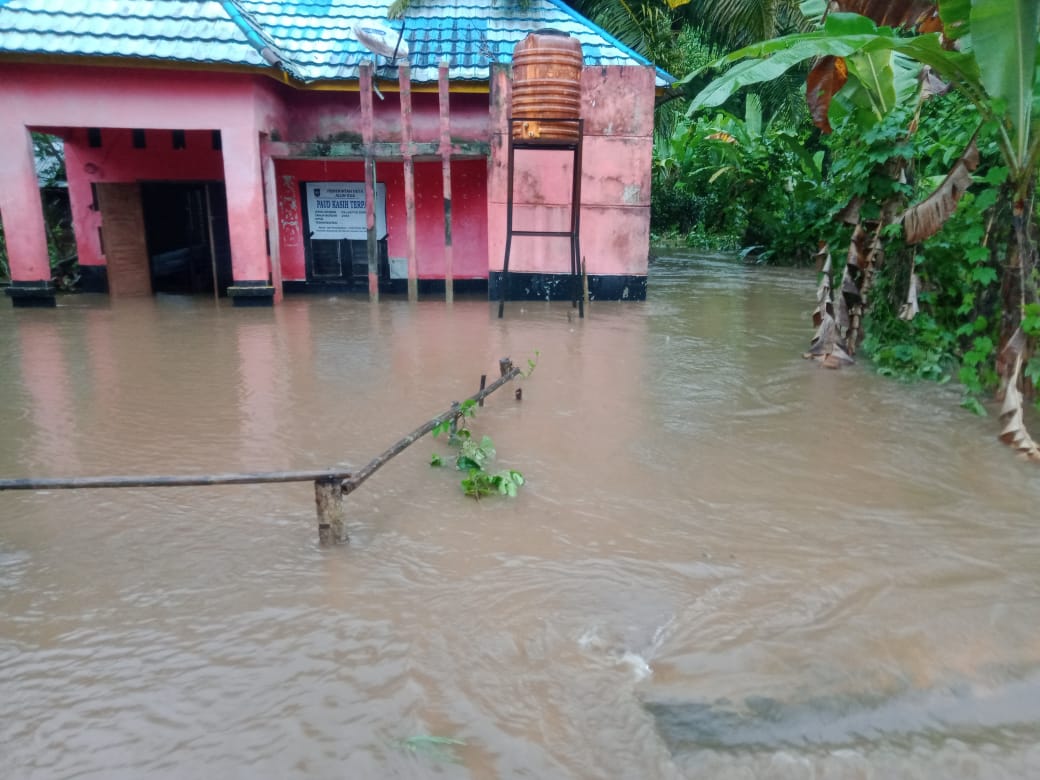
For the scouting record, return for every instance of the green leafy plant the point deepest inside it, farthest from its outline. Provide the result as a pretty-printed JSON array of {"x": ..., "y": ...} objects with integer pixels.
[
  {"x": 473, "y": 457},
  {"x": 439, "y": 749},
  {"x": 451, "y": 426},
  {"x": 480, "y": 483},
  {"x": 532, "y": 364}
]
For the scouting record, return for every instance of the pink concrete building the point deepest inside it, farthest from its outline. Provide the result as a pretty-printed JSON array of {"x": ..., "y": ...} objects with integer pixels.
[{"x": 254, "y": 149}]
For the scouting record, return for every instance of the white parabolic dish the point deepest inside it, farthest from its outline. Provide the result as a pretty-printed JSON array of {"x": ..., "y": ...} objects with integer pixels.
[{"x": 381, "y": 38}]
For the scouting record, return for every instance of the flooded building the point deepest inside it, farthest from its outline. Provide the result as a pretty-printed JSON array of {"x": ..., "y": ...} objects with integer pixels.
[{"x": 230, "y": 147}]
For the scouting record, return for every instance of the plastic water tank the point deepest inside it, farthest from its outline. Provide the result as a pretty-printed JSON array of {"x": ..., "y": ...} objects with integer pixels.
[{"x": 546, "y": 85}]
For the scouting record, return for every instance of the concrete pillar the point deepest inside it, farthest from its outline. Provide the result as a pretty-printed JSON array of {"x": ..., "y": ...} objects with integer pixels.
[
  {"x": 243, "y": 179},
  {"x": 22, "y": 213}
]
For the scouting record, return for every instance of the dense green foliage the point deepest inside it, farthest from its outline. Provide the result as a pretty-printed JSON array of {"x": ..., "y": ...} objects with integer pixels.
[
  {"x": 727, "y": 182},
  {"x": 955, "y": 332},
  {"x": 778, "y": 189}
]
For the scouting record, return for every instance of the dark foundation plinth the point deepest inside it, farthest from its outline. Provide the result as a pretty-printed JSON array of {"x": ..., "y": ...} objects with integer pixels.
[
  {"x": 93, "y": 279},
  {"x": 31, "y": 294},
  {"x": 248, "y": 293},
  {"x": 558, "y": 287}
]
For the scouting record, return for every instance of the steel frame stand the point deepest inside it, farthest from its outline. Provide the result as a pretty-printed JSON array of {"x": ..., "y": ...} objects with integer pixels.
[{"x": 577, "y": 299}]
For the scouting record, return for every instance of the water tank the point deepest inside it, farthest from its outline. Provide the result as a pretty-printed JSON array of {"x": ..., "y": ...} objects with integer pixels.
[{"x": 546, "y": 85}]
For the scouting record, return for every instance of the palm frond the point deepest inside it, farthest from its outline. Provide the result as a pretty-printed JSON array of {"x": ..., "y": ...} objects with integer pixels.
[{"x": 397, "y": 8}]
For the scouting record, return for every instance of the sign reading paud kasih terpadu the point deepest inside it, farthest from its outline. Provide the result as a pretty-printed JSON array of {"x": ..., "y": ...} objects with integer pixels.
[{"x": 336, "y": 210}]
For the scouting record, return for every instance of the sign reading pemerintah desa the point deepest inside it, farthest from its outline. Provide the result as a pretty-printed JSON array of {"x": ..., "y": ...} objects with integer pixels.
[{"x": 336, "y": 210}]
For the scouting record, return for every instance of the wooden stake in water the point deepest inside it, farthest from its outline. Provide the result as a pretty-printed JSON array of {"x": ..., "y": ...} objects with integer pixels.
[
  {"x": 330, "y": 485},
  {"x": 328, "y": 497},
  {"x": 367, "y": 137},
  {"x": 404, "y": 80},
  {"x": 445, "y": 152}
]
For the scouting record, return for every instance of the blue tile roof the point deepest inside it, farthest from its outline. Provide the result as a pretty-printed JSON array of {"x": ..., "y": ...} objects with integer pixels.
[
  {"x": 311, "y": 39},
  {"x": 178, "y": 30}
]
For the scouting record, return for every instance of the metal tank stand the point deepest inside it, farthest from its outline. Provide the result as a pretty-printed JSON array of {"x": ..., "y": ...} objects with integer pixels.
[{"x": 574, "y": 147}]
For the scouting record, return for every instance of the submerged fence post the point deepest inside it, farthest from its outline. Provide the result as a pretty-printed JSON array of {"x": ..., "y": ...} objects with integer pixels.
[
  {"x": 404, "y": 80},
  {"x": 371, "y": 186},
  {"x": 445, "y": 152},
  {"x": 453, "y": 426},
  {"x": 330, "y": 486},
  {"x": 328, "y": 497}
]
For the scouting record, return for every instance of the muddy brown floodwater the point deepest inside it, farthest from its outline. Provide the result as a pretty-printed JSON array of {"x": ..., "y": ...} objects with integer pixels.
[{"x": 726, "y": 563}]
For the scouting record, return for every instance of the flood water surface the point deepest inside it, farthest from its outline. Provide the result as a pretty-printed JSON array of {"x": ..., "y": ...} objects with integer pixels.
[{"x": 726, "y": 562}]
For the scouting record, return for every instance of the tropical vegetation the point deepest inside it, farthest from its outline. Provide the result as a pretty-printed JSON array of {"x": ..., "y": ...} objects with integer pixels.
[{"x": 909, "y": 176}]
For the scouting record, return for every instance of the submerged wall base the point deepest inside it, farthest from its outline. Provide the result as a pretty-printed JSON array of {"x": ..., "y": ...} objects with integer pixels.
[
  {"x": 25, "y": 295},
  {"x": 93, "y": 278},
  {"x": 251, "y": 293},
  {"x": 557, "y": 287}
]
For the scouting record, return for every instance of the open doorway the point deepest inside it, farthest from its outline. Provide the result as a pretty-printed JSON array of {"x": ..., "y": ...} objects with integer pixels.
[{"x": 186, "y": 231}]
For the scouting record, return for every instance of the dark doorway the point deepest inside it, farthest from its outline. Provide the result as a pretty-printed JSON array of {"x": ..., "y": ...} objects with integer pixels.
[
  {"x": 186, "y": 229},
  {"x": 340, "y": 264},
  {"x": 343, "y": 262}
]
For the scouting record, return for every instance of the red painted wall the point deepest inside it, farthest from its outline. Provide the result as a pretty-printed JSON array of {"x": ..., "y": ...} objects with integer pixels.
[
  {"x": 117, "y": 161},
  {"x": 61, "y": 98},
  {"x": 319, "y": 115},
  {"x": 469, "y": 213},
  {"x": 617, "y": 104}
]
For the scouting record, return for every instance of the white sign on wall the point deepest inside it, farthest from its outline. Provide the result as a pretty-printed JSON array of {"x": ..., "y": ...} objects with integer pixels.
[{"x": 336, "y": 210}]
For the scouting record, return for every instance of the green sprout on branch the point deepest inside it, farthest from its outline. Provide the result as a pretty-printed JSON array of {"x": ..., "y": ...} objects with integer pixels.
[{"x": 474, "y": 457}]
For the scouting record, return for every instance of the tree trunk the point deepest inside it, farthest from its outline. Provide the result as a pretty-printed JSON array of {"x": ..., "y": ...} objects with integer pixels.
[{"x": 1016, "y": 345}]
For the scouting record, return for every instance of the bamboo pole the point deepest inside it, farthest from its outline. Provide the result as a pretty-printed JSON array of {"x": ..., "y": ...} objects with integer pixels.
[
  {"x": 330, "y": 485},
  {"x": 351, "y": 483},
  {"x": 404, "y": 79},
  {"x": 367, "y": 137},
  {"x": 445, "y": 153},
  {"x": 186, "y": 480},
  {"x": 212, "y": 244}
]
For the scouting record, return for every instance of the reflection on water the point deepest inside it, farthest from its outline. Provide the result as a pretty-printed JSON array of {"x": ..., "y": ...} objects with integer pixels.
[
  {"x": 1003, "y": 716},
  {"x": 726, "y": 562}
]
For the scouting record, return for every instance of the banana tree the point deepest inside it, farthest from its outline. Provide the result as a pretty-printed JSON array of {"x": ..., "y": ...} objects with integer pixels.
[{"x": 988, "y": 51}]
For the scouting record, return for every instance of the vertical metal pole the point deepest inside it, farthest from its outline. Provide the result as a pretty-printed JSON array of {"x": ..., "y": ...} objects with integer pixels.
[
  {"x": 584, "y": 283},
  {"x": 212, "y": 245},
  {"x": 576, "y": 220},
  {"x": 367, "y": 132},
  {"x": 405, "y": 81},
  {"x": 445, "y": 152},
  {"x": 509, "y": 220},
  {"x": 328, "y": 498}
]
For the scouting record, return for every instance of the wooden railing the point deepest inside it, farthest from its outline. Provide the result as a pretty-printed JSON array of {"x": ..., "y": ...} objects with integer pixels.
[{"x": 330, "y": 485}]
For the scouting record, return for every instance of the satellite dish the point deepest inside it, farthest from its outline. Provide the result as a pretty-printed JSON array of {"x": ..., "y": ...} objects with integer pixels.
[{"x": 381, "y": 38}]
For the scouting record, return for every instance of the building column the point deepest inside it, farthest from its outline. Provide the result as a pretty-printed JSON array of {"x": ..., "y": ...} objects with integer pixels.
[
  {"x": 22, "y": 213},
  {"x": 247, "y": 228}
]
